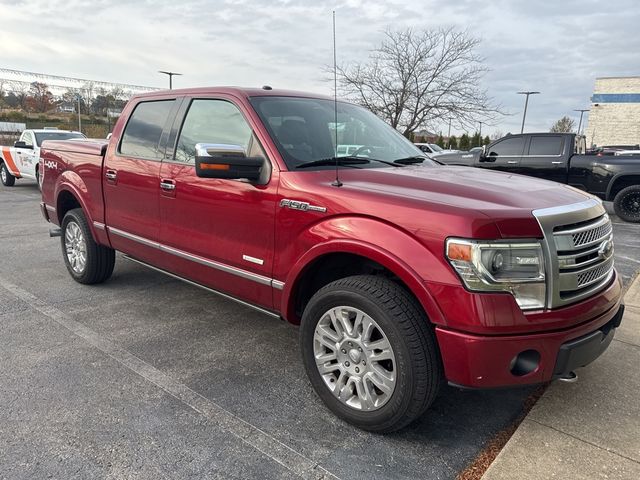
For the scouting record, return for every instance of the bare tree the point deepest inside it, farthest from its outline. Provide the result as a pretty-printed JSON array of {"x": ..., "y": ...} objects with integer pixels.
[
  {"x": 415, "y": 79},
  {"x": 564, "y": 125},
  {"x": 41, "y": 98}
]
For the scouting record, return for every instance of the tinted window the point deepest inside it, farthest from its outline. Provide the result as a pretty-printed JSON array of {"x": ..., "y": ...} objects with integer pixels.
[
  {"x": 212, "y": 121},
  {"x": 509, "y": 146},
  {"x": 41, "y": 137},
  {"x": 545, "y": 145},
  {"x": 142, "y": 133}
]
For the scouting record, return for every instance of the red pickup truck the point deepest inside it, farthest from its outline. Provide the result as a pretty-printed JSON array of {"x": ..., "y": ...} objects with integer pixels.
[{"x": 402, "y": 273}]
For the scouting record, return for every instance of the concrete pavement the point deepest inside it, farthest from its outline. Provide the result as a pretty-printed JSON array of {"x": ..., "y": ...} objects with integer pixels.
[{"x": 589, "y": 429}]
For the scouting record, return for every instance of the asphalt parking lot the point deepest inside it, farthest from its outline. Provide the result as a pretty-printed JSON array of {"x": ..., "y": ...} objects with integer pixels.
[{"x": 148, "y": 377}]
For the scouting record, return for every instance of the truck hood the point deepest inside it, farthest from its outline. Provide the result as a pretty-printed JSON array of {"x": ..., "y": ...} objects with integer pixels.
[{"x": 469, "y": 188}]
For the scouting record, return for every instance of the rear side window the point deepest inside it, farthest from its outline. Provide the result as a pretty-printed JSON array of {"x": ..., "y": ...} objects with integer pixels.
[
  {"x": 547, "y": 145},
  {"x": 508, "y": 147},
  {"x": 141, "y": 137}
]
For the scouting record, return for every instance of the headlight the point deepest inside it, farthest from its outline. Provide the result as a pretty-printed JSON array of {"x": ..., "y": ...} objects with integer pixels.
[{"x": 515, "y": 267}]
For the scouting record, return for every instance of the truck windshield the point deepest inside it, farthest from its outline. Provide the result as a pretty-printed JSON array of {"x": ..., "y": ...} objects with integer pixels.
[
  {"x": 304, "y": 130},
  {"x": 42, "y": 136}
]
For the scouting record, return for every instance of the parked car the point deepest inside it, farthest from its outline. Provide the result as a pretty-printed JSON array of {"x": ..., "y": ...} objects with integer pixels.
[
  {"x": 433, "y": 150},
  {"x": 21, "y": 160},
  {"x": 401, "y": 272},
  {"x": 561, "y": 157}
]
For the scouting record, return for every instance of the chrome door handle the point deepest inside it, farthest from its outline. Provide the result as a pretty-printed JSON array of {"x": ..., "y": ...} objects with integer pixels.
[
  {"x": 111, "y": 175},
  {"x": 556, "y": 163},
  {"x": 512, "y": 162},
  {"x": 167, "y": 185}
]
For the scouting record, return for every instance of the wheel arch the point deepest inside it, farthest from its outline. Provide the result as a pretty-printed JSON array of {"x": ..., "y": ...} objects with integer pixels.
[
  {"x": 621, "y": 181},
  {"x": 69, "y": 196},
  {"x": 333, "y": 260}
]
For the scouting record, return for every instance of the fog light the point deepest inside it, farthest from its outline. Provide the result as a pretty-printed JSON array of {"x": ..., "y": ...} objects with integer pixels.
[{"x": 525, "y": 362}]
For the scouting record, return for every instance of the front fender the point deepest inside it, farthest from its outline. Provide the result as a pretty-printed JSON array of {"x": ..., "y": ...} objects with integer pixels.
[{"x": 394, "y": 249}]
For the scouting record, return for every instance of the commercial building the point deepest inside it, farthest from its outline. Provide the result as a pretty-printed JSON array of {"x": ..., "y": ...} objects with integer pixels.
[{"x": 614, "y": 118}]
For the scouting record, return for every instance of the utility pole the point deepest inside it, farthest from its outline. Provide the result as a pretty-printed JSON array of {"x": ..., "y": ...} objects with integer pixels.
[
  {"x": 581, "y": 114},
  {"x": 480, "y": 136},
  {"x": 449, "y": 135},
  {"x": 526, "y": 103},
  {"x": 171, "y": 75}
]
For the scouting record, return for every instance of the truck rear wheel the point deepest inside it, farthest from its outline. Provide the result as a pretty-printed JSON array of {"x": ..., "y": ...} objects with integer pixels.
[
  {"x": 627, "y": 204},
  {"x": 86, "y": 261},
  {"x": 5, "y": 175},
  {"x": 370, "y": 352}
]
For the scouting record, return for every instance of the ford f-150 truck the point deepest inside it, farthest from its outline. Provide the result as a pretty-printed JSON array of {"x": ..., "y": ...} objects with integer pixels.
[
  {"x": 401, "y": 272},
  {"x": 22, "y": 160},
  {"x": 561, "y": 157}
]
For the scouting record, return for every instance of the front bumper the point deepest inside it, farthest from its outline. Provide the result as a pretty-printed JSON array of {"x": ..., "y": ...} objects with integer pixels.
[{"x": 479, "y": 361}]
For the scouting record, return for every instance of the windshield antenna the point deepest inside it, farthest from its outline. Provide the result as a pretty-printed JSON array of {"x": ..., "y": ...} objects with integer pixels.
[{"x": 336, "y": 182}]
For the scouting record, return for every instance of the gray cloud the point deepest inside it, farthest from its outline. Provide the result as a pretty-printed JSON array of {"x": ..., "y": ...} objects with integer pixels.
[{"x": 555, "y": 47}]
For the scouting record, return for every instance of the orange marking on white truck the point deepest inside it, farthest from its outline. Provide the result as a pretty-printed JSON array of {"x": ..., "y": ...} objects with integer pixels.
[{"x": 6, "y": 154}]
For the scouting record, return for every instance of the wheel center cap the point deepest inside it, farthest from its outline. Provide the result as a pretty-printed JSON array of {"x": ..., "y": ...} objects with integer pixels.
[{"x": 354, "y": 355}]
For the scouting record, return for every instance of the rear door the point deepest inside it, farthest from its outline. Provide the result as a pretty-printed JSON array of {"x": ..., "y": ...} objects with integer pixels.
[
  {"x": 131, "y": 179},
  {"x": 546, "y": 157},
  {"x": 220, "y": 233},
  {"x": 503, "y": 155}
]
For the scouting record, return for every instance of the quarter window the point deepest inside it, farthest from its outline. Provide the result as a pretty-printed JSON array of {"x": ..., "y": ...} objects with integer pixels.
[
  {"x": 213, "y": 121},
  {"x": 141, "y": 137},
  {"x": 547, "y": 145},
  {"x": 508, "y": 147}
]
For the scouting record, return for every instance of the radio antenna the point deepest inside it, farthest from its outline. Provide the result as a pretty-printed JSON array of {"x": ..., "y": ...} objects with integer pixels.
[{"x": 336, "y": 182}]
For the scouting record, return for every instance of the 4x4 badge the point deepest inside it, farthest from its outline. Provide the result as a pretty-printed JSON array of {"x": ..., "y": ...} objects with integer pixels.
[{"x": 297, "y": 205}]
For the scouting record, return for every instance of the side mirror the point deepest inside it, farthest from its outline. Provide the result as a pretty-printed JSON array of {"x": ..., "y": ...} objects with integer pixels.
[
  {"x": 20, "y": 144},
  {"x": 215, "y": 160}
]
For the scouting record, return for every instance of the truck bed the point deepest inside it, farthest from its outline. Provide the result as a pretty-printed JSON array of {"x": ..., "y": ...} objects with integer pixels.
[{"x": 88, "y": 146}]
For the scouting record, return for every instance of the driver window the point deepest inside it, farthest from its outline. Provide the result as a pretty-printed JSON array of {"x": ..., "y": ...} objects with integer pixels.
[
  {"x": 27, "y": 138},
  {"x": 510, "y": 147},
  {"x": 214, "y": 121}
]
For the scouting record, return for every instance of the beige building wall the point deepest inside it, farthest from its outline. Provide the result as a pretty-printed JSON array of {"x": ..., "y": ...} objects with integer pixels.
[{"x": 614, "y": 118}]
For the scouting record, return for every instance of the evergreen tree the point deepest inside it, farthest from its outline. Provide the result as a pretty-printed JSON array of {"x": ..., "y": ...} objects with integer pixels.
[
  {"x": 464, "y": 142},
  {"x": 486, "y": 140},
  {"x": 452, "y": 143},
  {"x": 440, "y": 141}
]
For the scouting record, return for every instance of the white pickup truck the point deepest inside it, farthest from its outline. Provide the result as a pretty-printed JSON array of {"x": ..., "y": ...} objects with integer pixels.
[{"x": 21, "y": 160}]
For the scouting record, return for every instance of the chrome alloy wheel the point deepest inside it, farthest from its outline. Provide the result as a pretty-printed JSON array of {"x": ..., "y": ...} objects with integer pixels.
[
  {"x": 354, "y": 358},
  {"x": 3, "y": 173},
  {"x": 76, "y": 247}
]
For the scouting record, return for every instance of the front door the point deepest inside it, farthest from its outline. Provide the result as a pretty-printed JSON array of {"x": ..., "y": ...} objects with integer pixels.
[
  {"x": 219, "y": 233},
  {"x": 131, "y": 179},
  {"x": 503, "y": 155}
]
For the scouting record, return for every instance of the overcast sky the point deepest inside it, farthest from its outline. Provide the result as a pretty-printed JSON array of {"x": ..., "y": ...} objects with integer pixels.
[{"x": 557, "y": 47}]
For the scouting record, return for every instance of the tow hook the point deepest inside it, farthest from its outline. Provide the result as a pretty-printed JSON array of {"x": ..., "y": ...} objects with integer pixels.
[
  {"x": 55, "y": 232},
  {"x": 571, "y": 377}
]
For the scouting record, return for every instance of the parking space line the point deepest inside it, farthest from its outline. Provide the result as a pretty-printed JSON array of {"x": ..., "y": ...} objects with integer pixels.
[{"x": 251, "y": 435}]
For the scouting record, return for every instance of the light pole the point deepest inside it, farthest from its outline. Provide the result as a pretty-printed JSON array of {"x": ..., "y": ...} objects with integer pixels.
[
  {"x": 79, "y": 120},
  {"x": 171, "y": 75},
  {"x": 480, "y": 136},
  {"x": 581, "y": 114},
  {"x": 449, "y": 135},
  {"x": 526, "y": 103}
]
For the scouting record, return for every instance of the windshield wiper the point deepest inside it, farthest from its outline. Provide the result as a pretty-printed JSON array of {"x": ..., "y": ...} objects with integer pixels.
[
  {"x": 410, "y": 160},
  {"x": 346, "y": 160}
]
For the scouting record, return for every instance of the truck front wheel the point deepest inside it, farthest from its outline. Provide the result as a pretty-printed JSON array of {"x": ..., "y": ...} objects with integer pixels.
[
  {"x": 5, "y": 175},
  {"x": 627, "y": 204},
  {"x": 370, "y": 352},
  {"x": 86, "y": 261}
]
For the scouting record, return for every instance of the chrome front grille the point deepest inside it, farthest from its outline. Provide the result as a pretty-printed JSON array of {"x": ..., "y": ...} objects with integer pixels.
[{"x": 579, "y": 251}]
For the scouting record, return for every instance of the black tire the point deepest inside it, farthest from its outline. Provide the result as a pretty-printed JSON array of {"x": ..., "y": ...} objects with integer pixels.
[
  {"x": 5, "y": 176},
  {"x": 99, "y": 260},
  {"x": 402, "y": 320},
  {"x": 627, "y": 204},
  {"x": 38, "y": 178}
]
